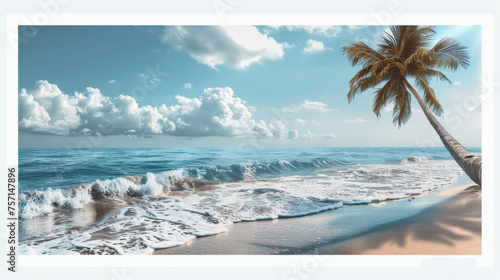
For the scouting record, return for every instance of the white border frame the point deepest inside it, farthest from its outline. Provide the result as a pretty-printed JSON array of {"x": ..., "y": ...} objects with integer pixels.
[{"x": 484, "y": 20}]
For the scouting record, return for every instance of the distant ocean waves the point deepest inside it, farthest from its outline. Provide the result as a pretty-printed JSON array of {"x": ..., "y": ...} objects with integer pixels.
[{"x": 170, "y": 208}]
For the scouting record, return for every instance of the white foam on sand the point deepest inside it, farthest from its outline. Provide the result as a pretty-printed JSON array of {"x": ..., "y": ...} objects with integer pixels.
[{"x": 165, "y": 221}]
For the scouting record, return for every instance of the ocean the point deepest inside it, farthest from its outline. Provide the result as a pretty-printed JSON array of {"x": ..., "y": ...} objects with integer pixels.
[{"x": 136, "y": 200}]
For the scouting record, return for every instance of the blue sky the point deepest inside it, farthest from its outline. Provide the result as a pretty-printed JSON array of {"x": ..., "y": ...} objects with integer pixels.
[{"x": 221, "y": 86}]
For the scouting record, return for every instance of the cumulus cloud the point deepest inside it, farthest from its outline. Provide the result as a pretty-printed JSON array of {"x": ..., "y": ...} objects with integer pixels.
[
  {"x": 187, "y": 85},
  {"x": 232, "y": 46},
  {"x": 457, "y": 83},
  {"x": 112, "y": 81},
  {"x": 330, "y": 135},
  {"x": 217, "y": 112},
  {"x": 275, "y": 130},
  {"x": 355, "y": 120},
  {"x": 47, "y": 110},
  {"x": 323, "y": 30},
  {"x": 313, "y": 46}
]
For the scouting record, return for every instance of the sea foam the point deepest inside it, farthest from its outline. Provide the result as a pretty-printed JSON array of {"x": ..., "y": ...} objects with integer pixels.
[
  {"x": 38, "y": 203},
  {"x": 244, "y": 192}
]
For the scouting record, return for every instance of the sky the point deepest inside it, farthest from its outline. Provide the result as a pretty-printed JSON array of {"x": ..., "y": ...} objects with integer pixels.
[{"x": 279, "y": 86}]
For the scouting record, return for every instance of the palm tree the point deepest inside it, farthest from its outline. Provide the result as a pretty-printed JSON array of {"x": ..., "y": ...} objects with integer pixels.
[{"x": 403, "y": 53}]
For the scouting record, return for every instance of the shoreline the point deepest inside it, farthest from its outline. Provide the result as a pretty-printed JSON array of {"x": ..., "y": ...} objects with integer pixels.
[{"x": 445, "y": 222}]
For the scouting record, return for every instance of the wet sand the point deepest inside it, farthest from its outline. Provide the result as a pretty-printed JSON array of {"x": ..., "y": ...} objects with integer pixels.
[{"x": 443, "y": 223}]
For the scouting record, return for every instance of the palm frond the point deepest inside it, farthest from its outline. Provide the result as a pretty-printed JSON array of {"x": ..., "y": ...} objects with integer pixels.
[
  {"x": 389, "y": 44},
  {"x": 420, "y": 57},
  {"x": 425, "y": 35},
  {"x": 368, "y": 82},
  {"x": 415, "y": 38},
  {"x": 403, "y": 40},
  {"x": 361, "y": 74},
  {"x": 436, "y": 74},
  {"x": 402, "y": 106},
  {"x": 449, "y": 54},
  {"x": 403, "y": 52},
  {"x": 382, "y": 97},
  {"x": 429, "y": 95},
  {"x": 361, "y": 85},
  {"x": 361, "y": 53},
  {"x": 381, "y": 67}
]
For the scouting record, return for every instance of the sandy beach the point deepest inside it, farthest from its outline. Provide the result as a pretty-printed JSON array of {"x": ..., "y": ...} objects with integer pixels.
[
  {"x": 451, "y": 228},
  {"x": 446, "y": 222}
]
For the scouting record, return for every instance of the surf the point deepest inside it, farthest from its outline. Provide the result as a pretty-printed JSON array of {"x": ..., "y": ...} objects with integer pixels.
[{"x": 170, "y": 208}]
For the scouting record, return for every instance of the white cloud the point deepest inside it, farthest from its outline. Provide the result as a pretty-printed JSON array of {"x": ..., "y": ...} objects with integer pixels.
[
  {"x": 323, "y": 30},
  {"x": 457, "y": 83},
  {"x": 112, "y": 81},
  {"x": 275, "y": 130},
  {"x": 307, "y": 105},
  {"x": 313, "y": 46},
  {"x": 314, "y": 105},
  {"x": 301, "y": 121},
  {"x": 330, "y": 135},
  {"x": 217, "y": 112},
  {"x": 232, "y": 46},
  {"x": 47, "y": 110},
  {"x": 102, "y": 115},
  {"x": 187, "y": 85},
  {"x": 355, "y": 120}
]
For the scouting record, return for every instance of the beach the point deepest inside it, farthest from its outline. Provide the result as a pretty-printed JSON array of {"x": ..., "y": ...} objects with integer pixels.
[
  {"x": 275, "y": 201},
  {"x": 451, "y": 228},
  {"x": 446, "y": 222}
]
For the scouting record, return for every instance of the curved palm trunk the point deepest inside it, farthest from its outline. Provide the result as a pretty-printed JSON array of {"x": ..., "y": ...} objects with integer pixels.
[{"x": 468, "y": 162}]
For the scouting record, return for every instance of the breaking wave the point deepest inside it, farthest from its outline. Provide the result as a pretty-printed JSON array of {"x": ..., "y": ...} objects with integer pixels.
[
  {"x": 36, "y": 203},
  {"x": 242, "y": 192}
]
